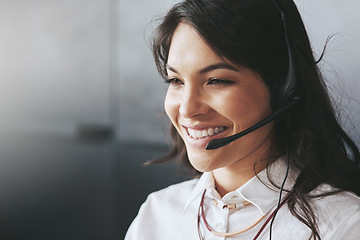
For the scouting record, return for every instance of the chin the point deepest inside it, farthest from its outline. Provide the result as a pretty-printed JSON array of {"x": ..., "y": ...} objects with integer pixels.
[{"x": 201, "y": 161}]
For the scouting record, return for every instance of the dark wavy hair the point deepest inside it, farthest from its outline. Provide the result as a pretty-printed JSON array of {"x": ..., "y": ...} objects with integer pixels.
[{"x": 250, "y": 33}]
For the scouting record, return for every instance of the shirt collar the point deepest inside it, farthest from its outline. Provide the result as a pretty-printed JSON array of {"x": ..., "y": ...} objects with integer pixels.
[
  {"x": 206, "y": 181},
  {"x": 259, "y": 191}
]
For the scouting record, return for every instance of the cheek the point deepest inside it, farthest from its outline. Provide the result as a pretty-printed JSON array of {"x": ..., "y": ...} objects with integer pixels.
[
  {"x": 232, "y": 103},
  {"x": 245, "y": 106},
  {"x": 171, "y": 107}
]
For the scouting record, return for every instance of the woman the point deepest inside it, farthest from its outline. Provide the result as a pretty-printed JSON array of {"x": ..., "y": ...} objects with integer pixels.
[{"x": 229, "y": 65}]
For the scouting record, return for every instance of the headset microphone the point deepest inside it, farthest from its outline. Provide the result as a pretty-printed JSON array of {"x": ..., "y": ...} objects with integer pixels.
[{"x": 284, "y": 94}]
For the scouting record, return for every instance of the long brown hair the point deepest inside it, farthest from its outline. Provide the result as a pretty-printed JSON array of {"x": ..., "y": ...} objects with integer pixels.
[{"x": 250, "y": 33}]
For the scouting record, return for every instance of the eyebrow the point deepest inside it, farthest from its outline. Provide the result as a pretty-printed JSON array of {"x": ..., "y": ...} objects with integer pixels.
[{"x": 209, "y": 68}]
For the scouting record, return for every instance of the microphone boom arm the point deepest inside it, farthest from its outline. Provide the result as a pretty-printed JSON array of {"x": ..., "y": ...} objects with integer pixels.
[{"x": 217, "y": 143}]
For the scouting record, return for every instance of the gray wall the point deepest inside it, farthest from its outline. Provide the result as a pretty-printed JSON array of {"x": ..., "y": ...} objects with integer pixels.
[
  {"x": 341, "y": 64},
  {"x": 54, "y": 64},
  {"x": 65, "y": 64}
]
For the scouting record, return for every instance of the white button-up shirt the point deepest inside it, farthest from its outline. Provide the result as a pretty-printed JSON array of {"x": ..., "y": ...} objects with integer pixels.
[{"x": 172, "y": 213}]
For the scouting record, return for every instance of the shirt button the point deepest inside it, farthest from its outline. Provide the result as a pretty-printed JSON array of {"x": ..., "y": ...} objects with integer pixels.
[{"x": 219, "y": 226}]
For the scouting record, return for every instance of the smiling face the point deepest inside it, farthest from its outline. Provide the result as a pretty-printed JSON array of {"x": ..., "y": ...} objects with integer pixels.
[{"x": 209, "y": 98}]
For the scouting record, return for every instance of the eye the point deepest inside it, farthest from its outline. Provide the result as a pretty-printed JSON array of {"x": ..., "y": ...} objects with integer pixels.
[
  {"x": 174, "y": 81},
  {"x": 216, "y": 81}
]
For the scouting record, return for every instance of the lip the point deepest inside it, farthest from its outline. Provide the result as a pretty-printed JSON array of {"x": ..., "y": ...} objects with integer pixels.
[{"x": 202, "y": 142}]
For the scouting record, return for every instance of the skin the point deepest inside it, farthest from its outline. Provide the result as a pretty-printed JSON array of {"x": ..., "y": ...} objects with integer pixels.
[{"x": 208, "y": 91}]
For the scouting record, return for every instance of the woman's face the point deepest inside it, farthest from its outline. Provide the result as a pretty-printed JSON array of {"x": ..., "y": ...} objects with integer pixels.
[{"x": 209, "y": 98}]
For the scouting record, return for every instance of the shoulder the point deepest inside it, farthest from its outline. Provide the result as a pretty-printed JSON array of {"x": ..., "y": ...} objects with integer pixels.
[
  {"x": 343, "y": 202},
  {"x": 338, "y": 214},
  {"x": 171, "y": 198},
  {"x": 178, "y": 192},
  {"x": 159, "y": 208}
]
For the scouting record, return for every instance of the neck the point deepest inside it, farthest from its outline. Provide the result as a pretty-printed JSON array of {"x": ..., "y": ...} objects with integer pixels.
[
  {"x": 233, "y": 176},
  {"x": 228, "y": 179}
]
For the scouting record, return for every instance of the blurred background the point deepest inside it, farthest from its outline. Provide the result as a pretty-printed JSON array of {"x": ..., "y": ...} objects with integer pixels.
[{"x": 81, "y": 109}]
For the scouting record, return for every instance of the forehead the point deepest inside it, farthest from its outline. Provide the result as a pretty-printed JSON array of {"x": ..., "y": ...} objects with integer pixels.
[{"x": 188, "y": 48}]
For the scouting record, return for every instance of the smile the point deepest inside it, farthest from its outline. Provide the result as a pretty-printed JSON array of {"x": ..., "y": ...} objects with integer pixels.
[{"x": 203, "y": 133}]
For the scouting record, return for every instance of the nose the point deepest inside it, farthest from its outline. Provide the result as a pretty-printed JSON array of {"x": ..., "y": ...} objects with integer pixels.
[{"x": 193, "y": 103}]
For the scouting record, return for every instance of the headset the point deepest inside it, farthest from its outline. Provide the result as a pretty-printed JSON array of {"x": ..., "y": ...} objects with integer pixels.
[{"x": 286, "y": 99}]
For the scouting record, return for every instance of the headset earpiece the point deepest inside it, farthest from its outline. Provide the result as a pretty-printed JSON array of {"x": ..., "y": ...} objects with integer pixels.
[{"x": 285, "y": 91}]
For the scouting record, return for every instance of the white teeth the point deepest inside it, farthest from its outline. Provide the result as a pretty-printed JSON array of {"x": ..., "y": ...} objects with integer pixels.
[
  {"x": 205, "y": 132},
  {"x": 210, "y": 131},
  {"x": 191, "y": 132}
]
